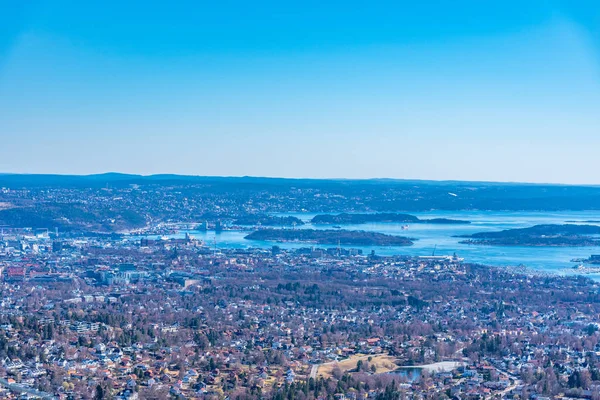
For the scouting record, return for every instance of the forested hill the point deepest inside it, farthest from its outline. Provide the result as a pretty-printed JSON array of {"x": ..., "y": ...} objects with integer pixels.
[
  {"x": 338, "y": 195},
  {"x": 118, "y": 202}
]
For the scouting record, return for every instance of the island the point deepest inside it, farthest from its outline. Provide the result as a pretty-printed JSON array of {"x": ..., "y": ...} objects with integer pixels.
[
  {"x": 330, "y": 236},
  {"x": 549, "y": 235},
  {"x": 593, "y": 259},
  {"x": 267, "y": 220},
  {"x": 348, "y": 218}
]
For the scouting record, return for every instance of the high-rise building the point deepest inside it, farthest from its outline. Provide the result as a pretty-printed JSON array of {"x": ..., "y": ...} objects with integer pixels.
[{"x": 57, "y": 246}]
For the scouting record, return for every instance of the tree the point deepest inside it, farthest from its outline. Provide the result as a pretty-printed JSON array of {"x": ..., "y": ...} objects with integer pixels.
[{"x": 99, "y": 393}]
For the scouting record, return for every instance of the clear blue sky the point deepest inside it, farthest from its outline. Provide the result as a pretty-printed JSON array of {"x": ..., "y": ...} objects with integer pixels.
[{"x": 475, "y": 90}]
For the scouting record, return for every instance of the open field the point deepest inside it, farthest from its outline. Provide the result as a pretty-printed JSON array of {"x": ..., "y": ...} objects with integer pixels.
[
  {"x": 383, "y": 363},
  {"x": 444, "y": 366}
]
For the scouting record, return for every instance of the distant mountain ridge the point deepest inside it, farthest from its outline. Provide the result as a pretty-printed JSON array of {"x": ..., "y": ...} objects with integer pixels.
[
  {"x": 108, "y": 177},
  {"x": 277, "y": 195}
]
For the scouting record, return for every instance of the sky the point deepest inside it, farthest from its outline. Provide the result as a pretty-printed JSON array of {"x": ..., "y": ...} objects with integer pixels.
[{"x": 442, "y": 90}]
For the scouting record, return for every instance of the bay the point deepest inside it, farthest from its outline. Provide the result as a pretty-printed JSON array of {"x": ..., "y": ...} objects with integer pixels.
[{"x": 441, "y": 238}]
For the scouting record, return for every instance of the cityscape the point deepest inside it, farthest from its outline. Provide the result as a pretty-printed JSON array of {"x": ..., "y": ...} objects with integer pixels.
[
  {"x": 299, "y": 200},
  {"x": 134, "y": 305}
]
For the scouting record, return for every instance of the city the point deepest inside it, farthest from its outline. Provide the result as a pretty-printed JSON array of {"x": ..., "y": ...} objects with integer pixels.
[
  {"x": 156, "y": 314},
  {"x": 299, "y": 200}
]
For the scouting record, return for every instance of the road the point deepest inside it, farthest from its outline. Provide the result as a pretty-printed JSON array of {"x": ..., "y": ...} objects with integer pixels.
[
  {"x": 313, "y": 371},
  {"x": 510, "y": 388}
]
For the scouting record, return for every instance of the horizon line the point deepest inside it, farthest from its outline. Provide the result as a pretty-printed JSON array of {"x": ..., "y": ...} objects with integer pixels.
[{"x": 126, "y": 174}]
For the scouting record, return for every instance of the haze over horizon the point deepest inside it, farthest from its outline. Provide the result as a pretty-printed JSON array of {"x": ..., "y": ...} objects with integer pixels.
[{"x": 457, "y": 91}]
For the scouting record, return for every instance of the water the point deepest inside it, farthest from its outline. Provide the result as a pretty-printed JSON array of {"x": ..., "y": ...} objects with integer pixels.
[
  {"x": 548, "y": 259},
  {"x": 408, "y": 374}
]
